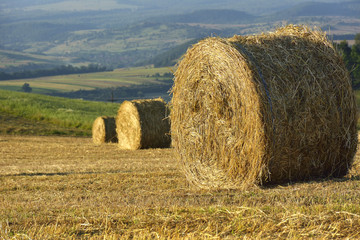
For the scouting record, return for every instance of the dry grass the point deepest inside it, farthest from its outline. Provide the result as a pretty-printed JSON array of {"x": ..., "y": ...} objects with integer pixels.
[{"x": 67, "y": 188}]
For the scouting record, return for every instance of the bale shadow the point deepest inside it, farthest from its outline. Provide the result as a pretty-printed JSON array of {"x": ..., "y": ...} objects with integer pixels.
[{"x": 310, "y": 181}]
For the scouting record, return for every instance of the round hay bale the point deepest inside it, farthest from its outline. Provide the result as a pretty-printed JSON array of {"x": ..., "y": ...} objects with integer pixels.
[
  {"x": 104, "y": 130},
  {"x": 143, "y": 124},
  {"x": 269, "y": 108}
]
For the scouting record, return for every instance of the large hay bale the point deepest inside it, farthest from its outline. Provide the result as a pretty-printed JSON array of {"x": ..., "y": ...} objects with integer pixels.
[
  {"x": 270, "y": 108},
  {"x": 143, "y": 124},
  {"x": 104, "y": 130}
]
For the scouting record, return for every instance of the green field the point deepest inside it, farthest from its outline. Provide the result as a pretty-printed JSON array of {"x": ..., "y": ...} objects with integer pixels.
[
  {"x": 66, "y": 83},
  {"x": 58, "y": 113}
]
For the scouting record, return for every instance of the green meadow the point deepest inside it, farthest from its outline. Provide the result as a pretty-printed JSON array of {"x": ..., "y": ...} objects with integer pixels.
[{"x": 57, "y": 111}]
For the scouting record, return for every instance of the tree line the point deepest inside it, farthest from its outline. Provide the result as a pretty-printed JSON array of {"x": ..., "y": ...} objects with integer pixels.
[
  {"x": 61, "y": 70},
  {"x": 351, "y": 57}
]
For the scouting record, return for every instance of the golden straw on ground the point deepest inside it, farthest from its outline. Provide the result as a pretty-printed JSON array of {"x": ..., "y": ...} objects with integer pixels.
[
  {"x": 269, "y": 108},
  {"x": 104, "y": 130},
  {"x": 143, "y": 124}
]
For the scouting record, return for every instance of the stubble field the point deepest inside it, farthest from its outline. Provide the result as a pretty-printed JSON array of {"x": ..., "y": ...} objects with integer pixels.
[{"x": 69, "y": 188}]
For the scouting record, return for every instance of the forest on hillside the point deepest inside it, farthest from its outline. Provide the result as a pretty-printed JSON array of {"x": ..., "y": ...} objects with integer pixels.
[
  {"x": 61, "y": 70},
  {"x": 351, "y": 57}
]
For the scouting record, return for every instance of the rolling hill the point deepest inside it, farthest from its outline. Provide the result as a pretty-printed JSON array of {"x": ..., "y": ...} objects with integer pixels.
[
  {"x": 209, "y": 16},
  {"x": 126, "y": 36},
  {"x": 155, "y": 7},
  {"x": 13, "y": 61},
  {"x": 347, "y": 9}
]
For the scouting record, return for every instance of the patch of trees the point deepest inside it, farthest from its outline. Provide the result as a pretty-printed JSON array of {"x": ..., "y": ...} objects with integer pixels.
[
  {"x": 31, "y": 66},
  {"x": 26, "y": 88},
  {"x": 62, "y": 70},
  {"x": 351, "y": 57}
]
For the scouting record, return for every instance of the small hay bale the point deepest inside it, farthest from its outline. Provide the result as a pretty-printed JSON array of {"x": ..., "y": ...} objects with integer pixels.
[
  {"x": 143, "y": 124},
  {"x": 104, "y": 130},
  {"x": 269, "y": 108}
]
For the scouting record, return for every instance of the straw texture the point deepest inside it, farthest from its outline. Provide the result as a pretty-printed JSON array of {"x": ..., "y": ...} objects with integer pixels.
[
  {"x": 104, "y": 130},
  {"x": 143, "y": 124},
  {"x": 270, "y": 108}
]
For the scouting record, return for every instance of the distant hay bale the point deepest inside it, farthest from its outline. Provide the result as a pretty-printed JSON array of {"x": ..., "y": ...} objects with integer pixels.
[
  {"x": 104, "y": 130},
  {"x": 143, "y": 124},
  {"x": 270, "y": 108}
]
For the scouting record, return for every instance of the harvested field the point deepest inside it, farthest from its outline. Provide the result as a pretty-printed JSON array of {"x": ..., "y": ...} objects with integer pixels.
[{"x": 66, "y": 188}]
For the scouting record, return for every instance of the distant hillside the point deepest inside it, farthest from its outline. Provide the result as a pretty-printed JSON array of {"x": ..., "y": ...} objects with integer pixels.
[
  {"x": 157, "y": 7},
  {"x": 123, "y": 37},
  {"x": 348, "y": 9},
  {"x": 14, "y": 61},
  {"x": 170, "y": 57},
  {"x": 211, "y": 16}
]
